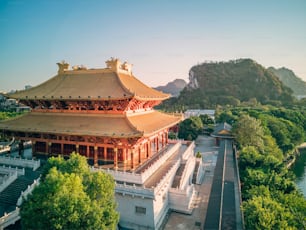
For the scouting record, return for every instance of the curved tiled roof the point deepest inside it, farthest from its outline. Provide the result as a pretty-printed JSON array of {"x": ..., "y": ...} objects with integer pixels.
[
  {"x": 102, "y": 125},
  {"x": 72, "y": 124},
  {"x": 77, "y": 85},
  {"x": 140, "y": 90},
  {"x": 153, "y": 122},
  {"x": 92, "y": 84},
  {"x": 222, "y": 130}
]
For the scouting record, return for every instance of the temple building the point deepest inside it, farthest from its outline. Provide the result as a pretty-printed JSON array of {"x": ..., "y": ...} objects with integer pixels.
[{"x": 107, "y": 115}]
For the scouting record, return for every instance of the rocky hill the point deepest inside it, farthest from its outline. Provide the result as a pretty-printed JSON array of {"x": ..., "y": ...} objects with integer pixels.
[
  {"x": 174, "y": 88},
  {"x": 232, "y": 82},
  {"x": 289, "y": 79}
]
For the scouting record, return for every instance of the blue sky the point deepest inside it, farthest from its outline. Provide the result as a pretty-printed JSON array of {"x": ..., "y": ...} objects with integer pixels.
[{"x": 163, "y": 39}]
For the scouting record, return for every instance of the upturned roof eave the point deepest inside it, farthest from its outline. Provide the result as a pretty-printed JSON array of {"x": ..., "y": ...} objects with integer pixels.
[
  {"x": 144, "y": 98},
  {"x": 56, "y": 132}
]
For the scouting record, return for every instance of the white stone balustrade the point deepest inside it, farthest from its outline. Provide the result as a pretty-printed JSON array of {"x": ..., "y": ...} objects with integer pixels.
[
  {"x": 200, "y": 172},
  {"x": 166, "y": 178},
  {"x": 8, "y": 169},
  {"x": 134, "y": 190},
  {"x": 134, "y": 178},
  {"x": 160, "y": 217},
  {"x": 8, "y": 179},
  {"x": 9, "y": 218},
  {"x": 189, "y": 151},
  {"x": 186, "y": 192},
  {"x": 188, "y": 172},
  {"x": 158, "y": 163},
  {"x": 147, "y": 192},
  {"x": 29, "y": 163},
  {"x": 180, "y": 200},
  {"x": 28, "y": 191},
  {"x": 129, "y": 177}
]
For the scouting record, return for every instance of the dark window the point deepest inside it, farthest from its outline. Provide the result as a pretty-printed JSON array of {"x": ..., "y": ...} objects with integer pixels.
[{"x": 140, "y": 210}]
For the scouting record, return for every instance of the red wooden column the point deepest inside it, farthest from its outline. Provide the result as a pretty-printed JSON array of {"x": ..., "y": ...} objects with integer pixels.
[
  {"x": 105, "y": 153},
  {"x": 149, "y": 148},
  {"x": 139, "y": 154},
  {"x": 132, "y": 158},
  {"x": 167, "y": 138},
  {"x": 87, "y": 151},
  {"x": 162, "y": 139},
  {"x": 62, "y": 148},
  {"x": 116, "y": 158},
  {"x": 124, "y": 156},
  {"x": 95, "y": 155},
  {"x": 157, "y": 143}
]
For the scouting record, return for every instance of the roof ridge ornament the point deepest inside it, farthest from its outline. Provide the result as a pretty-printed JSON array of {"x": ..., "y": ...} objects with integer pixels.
[
  {"x": 62, "y": 66},
  {"x": 126, "y": 66},
  {"x": 115, "y": 65}
]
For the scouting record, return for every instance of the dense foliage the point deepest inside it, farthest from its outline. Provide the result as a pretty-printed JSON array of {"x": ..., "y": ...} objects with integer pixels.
[
  {"x": 270, "y": 197},
  {"x": 190, "y": 128},
  {"x": 71, "y": 197},
  {"x": 233, "y": 83},
  {"x": 286, "y": 125}
]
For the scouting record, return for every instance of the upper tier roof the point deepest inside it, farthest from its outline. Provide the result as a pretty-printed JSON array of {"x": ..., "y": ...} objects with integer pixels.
[
  {"x": 112, "y": 83},
  {"x": 116, "y": 126}
]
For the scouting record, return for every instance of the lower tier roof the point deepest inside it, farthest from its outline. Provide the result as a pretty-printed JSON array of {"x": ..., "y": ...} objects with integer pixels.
[{"x": 103, "y": 125}]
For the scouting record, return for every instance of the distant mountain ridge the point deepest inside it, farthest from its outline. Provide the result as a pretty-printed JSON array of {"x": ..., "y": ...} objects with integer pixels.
[
  {"x": 174, "y": 87},
  {"x": 289, "y": 78},
  {"x": 230, "y": 83}
]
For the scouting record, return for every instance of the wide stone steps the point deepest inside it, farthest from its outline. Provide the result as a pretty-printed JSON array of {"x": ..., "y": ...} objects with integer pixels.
[
  {"x": 9, "y": 196},
  {"x": 178, "y": 176},
  {"x": 12, "y": 192}
]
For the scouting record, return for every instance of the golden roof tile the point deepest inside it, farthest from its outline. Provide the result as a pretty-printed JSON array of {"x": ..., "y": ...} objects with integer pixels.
[
  {"x": 102, "y": 125},
  {"x": 112, "y": 83}
]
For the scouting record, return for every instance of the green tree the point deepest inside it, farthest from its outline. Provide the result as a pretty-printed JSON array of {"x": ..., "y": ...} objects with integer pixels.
[
  {"x": 266, "y": 213},
  {"x": 286, "y": 133},
  {"x": 250, "y": 157},
  {"x": 296, "y": 204},
  {"x": 249, "y": 132},
  {"x": 270, "y": 197},
  {"x": 71, "y": 197},
  {"x": 260, "y": 190},
  {"x": 226, "y": 116},
  {"x": 271, "y": 148},
  {"x": 206, "y": 120},
  {"x": 172, "y": 135},
  {"x": 190, "y": 128}
]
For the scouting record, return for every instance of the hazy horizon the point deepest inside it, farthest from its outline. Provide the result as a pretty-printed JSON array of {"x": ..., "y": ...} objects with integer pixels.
[{"x": 162, "y": 39}]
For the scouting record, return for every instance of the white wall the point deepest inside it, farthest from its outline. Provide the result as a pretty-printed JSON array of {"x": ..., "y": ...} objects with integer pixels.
[{"x": 128, "y": 216}]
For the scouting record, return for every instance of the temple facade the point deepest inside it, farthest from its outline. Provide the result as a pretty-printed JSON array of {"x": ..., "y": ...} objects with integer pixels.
[{"x": 107, "y": 115}]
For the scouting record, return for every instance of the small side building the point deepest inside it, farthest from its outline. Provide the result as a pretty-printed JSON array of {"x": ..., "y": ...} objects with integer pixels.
[{"x": 222, "y": 131}]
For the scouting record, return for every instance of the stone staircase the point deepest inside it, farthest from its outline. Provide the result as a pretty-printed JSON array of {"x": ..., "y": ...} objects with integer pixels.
[
  {"x": 9, "y": 196},
  {"x": 195, "y": 172},
  {"x": 178, "y": 176}
]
